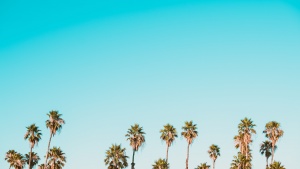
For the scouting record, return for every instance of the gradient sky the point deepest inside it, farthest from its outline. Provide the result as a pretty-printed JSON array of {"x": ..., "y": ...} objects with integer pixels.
[{"x": 106, "y": 65}]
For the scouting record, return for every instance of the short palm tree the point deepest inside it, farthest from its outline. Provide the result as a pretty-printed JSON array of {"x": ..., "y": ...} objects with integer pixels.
[
  {"x": 57, "y": 158},
  {"x": 189, "y": 133},
  {"x": 33, "y": 135},
  {"x": 203, "y": 166},
  {"x": 15, "y": 159},
  {"x": 32, "y": 159},
  {"x": 54, "y": 123},
  {"x": 266, "y": 149},
  {"x": 273, "y": 133},
  {"x": 136, "y": 136},
  {"x": 116, "y": 157},
  {"x": 214, "y": 152},
  {"x": 246, "y": 128},
  {"x": 240, "y": 162},
  {"x": 42, "y": 166},
  {"x": 276, "y": 165},
  {"x": 168, "y": 134},
  {"x": 161, "y": 164}
]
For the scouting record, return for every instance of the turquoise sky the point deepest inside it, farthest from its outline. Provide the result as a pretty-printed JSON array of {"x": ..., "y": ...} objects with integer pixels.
[{"x": 106, "y": 65}]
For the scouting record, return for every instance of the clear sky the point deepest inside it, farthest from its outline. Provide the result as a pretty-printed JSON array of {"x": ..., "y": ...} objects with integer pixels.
[{"x": 106, "y": 65}]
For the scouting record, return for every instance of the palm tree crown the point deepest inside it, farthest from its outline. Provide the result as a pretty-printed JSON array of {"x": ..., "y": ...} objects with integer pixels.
[
  {"x": 15, "y": 159},
  {"x": 161, "y": 164},
  {"x": 57, "y": 158},
  {"x": 266, "y": 149},
  {"x": 203, "y": 166},
  {"x": 276, "y": 165},
  {"x": 116, "y": 157},
  {"x": 34, "y": 159}
]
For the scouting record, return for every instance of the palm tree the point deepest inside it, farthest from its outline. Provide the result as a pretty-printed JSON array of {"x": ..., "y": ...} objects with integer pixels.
[
  {"x": 274, "y": 133},
  {"x": 136, "y": 136},
  {"x": 54, "y": 123},
  {"x": 240, "y": 162},
  {"x": 214, "y": 152},
  {"x": 246, "y": 128},
  {"x": 189, "y": 133},
  {"x": 15, "y": 159},
  {"x": 161, "y": 164},
  {"x": 266, "y": 149},
  {"x": 276, "y": 165},
  {"x": 239, "y": 142},
  {"x": 203, "y": 166},
  {"x": 116, "y": 157},
  {"x": 32, "y": 159},
  {"x": 57, "y": 158},
  {"x": 33, "y": 135},
  {"x": 168, "y": 134}
]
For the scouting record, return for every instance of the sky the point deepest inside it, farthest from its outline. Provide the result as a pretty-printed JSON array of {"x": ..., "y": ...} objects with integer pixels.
[{"x": 106, "y": 65}]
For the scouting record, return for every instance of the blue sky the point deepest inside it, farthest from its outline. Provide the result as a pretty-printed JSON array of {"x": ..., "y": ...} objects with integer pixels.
[{"x": 107, "y": 65}]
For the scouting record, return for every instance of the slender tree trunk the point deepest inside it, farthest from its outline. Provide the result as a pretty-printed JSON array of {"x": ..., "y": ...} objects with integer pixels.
[
  {"x": 273, "y": 151},
  {"x": 29, "y": 164},
  {"x": 267, "y": 163},
  {"x": 187, "y": 157},
  {"x": 132, "y": 164},
  {"x": 167, "y": 153},
  {"x": 214, "y": 164},
  {"x": 45, "y": 165}
]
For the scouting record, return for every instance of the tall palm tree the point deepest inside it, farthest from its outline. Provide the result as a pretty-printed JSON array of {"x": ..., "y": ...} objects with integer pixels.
[
  {"x": 276, "y": 165},
  {"x": 33, "y": 135},
  {"x": 273, "y": 133},
  {"x": 189, "y": 133},
  {"x": 246, "y": 128},
  {"x": 15, "y": 159},
  {"x": 203, "y": 166},
  {"x": 168, "y": 134},
  {"x": 57, "y": 158},
  {"x": 54, "y": 123},
  {"x": 214, "y": 152},
  {"x": 32, "y": 159},
  {"x": 116, "y": 157},
  {"x": 161, "y": 164},
  {"x": 266, "y": 149},
  {"x": 136, "y": 136}
]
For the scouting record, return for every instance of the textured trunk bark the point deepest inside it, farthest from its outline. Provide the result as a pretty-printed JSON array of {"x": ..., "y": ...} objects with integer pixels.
[
  {"x": 29, "y": 164},
  {"x": 167, "y": 153},
  {"x": 187, "y": 157},
  {"x": 45, "y": 165},
  {"x": 132, "y": 164}
]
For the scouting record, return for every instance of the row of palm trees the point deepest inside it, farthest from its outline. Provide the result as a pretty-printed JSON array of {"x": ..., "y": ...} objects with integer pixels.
[
  {"x": 116, "y": 157},
  {"x": 54, "y": 159}
]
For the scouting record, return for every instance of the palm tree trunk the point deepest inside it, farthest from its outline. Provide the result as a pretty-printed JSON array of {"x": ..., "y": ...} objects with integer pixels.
[
  {"x": 167, "y": 153},
  {"x": 29, "y": 164},
  {"x": 267, "y": 163},
  {"x": 132, "y": 164},
  {"x": 187, "y": 158},
  {"x": 45, "y": 165},
  {"x": 273, "y": 151},
  {"x": 214, "y": 164}
]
